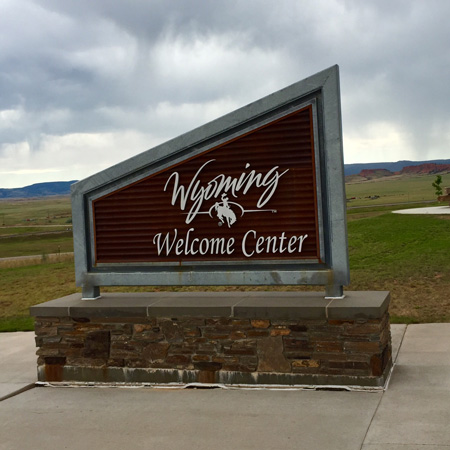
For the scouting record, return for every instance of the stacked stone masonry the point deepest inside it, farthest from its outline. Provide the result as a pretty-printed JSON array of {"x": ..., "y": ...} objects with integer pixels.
[{"x": 359, "y": 347}]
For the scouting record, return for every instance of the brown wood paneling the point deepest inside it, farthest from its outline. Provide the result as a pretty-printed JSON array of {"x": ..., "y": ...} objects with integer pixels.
[{"x": 127, "y": 220}]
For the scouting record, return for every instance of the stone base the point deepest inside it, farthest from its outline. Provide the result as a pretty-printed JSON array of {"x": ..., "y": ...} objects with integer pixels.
[{"x": 238, "y": 338}]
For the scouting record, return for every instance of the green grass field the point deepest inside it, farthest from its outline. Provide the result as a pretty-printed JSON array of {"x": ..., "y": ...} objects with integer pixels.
[
  {"x": 407, "y": 255},
  {"x": 394, "y": 190},
  {"x": 31, "y": 230},
  {"x": 41, "y": 211},
  {"x": 35, "y": 226},
  {"x": 41, "y": 244}
]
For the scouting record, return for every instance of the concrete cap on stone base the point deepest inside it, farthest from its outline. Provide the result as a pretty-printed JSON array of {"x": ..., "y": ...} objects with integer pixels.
[{"x": 270, "y": 305}]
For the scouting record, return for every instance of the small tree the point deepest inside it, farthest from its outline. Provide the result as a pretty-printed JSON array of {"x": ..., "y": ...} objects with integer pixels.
[{"x": 437, "y": 185}]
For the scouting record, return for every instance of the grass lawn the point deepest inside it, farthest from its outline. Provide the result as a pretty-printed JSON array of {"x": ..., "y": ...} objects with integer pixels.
[
  {"x": 42, "y": 211},
  {"x": 407, "y": 255},
  {"x": 22, "y": 287},
  {"x": 394, "y": 190},
  {"x": 36, "y": 244},
  {"x": 7, "y": 232}
]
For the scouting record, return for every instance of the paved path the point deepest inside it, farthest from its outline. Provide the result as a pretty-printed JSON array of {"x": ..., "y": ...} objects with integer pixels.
[
  {"x": 412, "y": 414},
  {"x": 390, "y": 204},
  {"x": 33, "y": 257},
  {"x": 430, "y": 210}
]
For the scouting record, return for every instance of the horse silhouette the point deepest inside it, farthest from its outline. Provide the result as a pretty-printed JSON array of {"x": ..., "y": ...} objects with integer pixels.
[{"x": 225, "y": 212}]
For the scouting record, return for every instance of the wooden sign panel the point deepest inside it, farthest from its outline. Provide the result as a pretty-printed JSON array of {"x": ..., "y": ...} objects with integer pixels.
[{"x": 251, "y": 198}]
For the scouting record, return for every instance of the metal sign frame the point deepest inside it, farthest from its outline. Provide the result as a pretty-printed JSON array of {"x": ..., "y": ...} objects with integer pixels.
[{"x": 321, "y": 92}]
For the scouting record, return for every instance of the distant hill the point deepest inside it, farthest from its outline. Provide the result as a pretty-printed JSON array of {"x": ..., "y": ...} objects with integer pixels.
[
  {"x": 38, "y": 190},
  {"x": 428, "y": 168},
  {"x": 355, "y": 169}
]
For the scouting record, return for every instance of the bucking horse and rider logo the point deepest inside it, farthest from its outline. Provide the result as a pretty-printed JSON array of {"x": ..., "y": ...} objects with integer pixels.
[{"x": 225, "y": 213}]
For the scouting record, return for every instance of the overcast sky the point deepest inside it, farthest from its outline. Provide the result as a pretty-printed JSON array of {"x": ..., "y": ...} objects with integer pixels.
[{"x": 85, "y": 84}]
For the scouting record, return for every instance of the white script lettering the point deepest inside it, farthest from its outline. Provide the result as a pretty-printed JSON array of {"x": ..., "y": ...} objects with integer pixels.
[
  {"x": 270, "y": 244},
  {"x": 198, "y": 191},
  {"x": 189, "y": 246},
  {"x": 252, "y": 244}
]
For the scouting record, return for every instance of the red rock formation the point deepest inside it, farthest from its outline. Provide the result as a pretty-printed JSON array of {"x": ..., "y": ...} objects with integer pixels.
[
  {"x": 421, "y": 169},
  {"x": 425, "y": 169},
  {"x": 375, "y": 173}
]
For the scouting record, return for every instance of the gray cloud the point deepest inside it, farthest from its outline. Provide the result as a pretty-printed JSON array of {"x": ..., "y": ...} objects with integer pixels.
[{"x": 158, "y": 68}]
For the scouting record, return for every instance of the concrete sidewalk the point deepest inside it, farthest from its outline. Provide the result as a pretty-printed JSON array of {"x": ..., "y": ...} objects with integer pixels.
[
  {"x": 17, "y": 363},
  {"x": 412, "y": 413}
]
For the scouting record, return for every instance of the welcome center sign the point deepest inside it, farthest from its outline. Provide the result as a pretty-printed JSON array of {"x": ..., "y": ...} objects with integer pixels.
[{"x": 255, "y": 197}]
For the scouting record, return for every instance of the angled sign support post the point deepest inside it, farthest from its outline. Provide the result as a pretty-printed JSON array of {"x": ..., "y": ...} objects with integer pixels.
[{"x": 256, "y": 197}]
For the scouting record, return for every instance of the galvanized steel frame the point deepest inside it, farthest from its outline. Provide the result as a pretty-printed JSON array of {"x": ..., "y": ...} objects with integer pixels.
[{"x": 322, "y": 92}]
